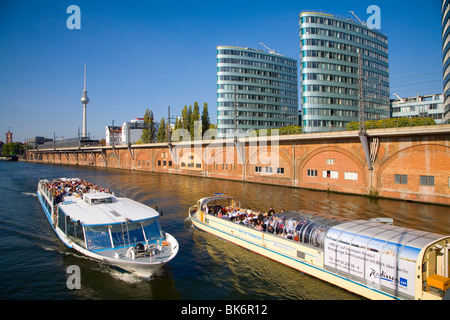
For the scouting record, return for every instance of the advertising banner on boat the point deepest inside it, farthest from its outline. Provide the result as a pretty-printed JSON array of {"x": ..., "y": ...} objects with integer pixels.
[
  {"x": 380, "y": 262},
  {"x": 357, "y": 252}
]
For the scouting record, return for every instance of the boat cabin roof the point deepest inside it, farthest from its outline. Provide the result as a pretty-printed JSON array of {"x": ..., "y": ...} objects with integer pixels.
[
  {"x": 219, "y": 198},
  {"x": 100, "y": 208},
  {"x": 362, "y": 232}
]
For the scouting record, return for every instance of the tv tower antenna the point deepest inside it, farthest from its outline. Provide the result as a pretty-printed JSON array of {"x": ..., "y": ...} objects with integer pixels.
[{"x": 84, "y": 101}]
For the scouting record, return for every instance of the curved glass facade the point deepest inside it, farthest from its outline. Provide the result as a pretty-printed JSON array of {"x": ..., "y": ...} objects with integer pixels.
[
  {"x": 445, "y": 14},
  {"x": 263, "y": 85},
  {"x": 329, "y": 49}
]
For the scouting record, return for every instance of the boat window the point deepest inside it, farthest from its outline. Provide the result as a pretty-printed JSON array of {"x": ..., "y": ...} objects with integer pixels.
[
  {"x": 61, "y": 220},
  {"x": 75, "y": 231},
  {"x": 101, "y": 201},
  {"x": 97, "y": 237},
  {"x": 309, "y": 228},
  {"x": 119, "y": 235},
  {"x": 135, "y": 232},
  {"x": 152, "y": 230}
]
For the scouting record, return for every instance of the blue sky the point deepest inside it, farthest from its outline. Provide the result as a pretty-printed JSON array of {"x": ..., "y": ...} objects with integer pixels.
[{"x": 155, "y": 54}]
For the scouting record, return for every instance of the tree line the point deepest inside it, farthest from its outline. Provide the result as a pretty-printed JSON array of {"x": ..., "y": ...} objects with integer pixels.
[
  {"x": 392, "y": 123},
  {"x": 189, "y": 116}
]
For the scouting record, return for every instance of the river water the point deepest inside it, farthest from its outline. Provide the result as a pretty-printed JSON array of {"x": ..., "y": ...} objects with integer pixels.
[{"x": 34, "y": 262}]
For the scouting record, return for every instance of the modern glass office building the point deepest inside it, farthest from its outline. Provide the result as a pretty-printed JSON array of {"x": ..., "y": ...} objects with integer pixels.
[
  {"x": 445, "y": 23},
  {"x": 329, "y": 49},
  {"x": 262, "y": 87}
]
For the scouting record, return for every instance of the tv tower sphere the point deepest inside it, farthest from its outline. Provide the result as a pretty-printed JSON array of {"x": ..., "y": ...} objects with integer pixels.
[{"x": 84, "y": 98}]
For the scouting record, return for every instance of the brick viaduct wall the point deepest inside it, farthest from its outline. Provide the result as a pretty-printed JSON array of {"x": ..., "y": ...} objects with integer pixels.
[{"x": 408, "y": 163}]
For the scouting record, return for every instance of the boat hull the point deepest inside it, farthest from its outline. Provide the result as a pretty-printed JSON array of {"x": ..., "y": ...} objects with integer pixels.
[
  {"x": 283, "y": 251},
  {"x": 139, "y": 267}
]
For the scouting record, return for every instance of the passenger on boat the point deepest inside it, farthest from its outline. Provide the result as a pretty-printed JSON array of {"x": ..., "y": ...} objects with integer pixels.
[
  {"x": 59, "y": 189},
  {"x": 233, "y": 215},
  {"x": 260, "y": 217},
  {"x": 271, "y": 225},
  {"x": 239, "y": 220},
  {"x": 252, "y": 219},
  {"x": 271, "y": 212},
  {"x": 280, "y": 225},
  {"x": 290, "y": 226},
  {"x": 260, "y": 225}
]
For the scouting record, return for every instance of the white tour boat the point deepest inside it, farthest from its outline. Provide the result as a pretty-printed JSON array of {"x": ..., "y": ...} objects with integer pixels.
[
  {"x": 372, "y": 259},
  {"x": 118, "y": 231}
]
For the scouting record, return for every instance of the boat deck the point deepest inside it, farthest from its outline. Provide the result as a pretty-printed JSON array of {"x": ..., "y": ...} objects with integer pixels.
[{"x": 156, "y": 254}]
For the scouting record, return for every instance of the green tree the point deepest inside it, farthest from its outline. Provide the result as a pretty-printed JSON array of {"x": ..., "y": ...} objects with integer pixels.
[
  {"x": 184, "y": 118},
  {"x": 392, "y": 123},
  {"x": 205, "y": 118},
  {"x": 149, "y": 134},
  {"x": 178, "y": 123},
  {"x": 162, "y": 131},
  {"x": 189, "y": 116},
  {"x": 195, "y": 116},
  {"x": 13, "y": 148}
]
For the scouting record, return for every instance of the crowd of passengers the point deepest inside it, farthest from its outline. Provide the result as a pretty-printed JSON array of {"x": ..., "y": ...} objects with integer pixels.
[
  {"x": 59, "y": 188},
  {"x": 278, "y": 225}
]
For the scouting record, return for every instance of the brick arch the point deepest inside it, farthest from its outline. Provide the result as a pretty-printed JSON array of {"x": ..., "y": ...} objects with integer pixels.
[
  {"x": 112, "y": 160},
  {"x": 158, "y": 156},
  {"x": 125, "y": 159},
  {"x": 183, "y": 158},
  {"x": 73, "y": 159},
  {"x": 141, "y": 159},
  {"x": 91, "y": 160},
  {"x": 320, "y": 154},
  {"x": 286, "y": 160},
  {"x": 414, "y": 161},
  {"x": 213, "y": 154}
]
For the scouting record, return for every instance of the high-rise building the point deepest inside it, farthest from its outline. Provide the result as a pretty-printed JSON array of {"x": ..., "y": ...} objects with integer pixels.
[
  {"x": 425, "y": 106},
  {"x": 445, "y": 23},
  {"x": 329, "y": 57},
  {"x": 261, "y": 87}
]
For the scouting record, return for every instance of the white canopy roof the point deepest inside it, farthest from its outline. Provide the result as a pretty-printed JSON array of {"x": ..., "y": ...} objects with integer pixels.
[{"x": 118, "y": 211}]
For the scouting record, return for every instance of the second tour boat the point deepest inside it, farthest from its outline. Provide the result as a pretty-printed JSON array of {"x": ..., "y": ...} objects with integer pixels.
[{"x": 372, "y": 259}]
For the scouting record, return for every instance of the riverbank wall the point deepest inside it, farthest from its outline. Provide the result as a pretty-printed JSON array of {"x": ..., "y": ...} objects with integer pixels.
[{"x": 411, "y": 163}]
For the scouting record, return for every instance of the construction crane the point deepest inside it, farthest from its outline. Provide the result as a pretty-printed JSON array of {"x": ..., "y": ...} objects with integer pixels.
[
  {"x": 270, "y": 50},
  {"x": 363, "y": 23},
  {"x": 401, "y": 99}
]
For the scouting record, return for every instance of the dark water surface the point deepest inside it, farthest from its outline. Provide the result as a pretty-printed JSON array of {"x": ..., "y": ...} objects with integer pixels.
[{"x": 34, "y": 262}]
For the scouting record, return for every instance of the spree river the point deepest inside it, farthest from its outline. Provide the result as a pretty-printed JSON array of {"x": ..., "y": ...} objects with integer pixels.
[{"x": 34, "y": 262}]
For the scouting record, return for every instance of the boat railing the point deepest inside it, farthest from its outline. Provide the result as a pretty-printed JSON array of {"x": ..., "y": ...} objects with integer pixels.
[{"x": 44, "y": 189}]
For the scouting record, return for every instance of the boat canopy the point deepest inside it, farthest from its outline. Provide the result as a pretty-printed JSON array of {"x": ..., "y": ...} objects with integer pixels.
[
  {"x": 105, "y": 209},
  {"x": 303, "y": 226},
  {"x": 379, "y": 254},
  {"x": 219, "y": 199}
]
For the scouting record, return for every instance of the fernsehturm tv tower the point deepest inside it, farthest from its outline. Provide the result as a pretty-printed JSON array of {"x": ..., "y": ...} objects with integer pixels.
[{"x": 84, "y": 101}]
